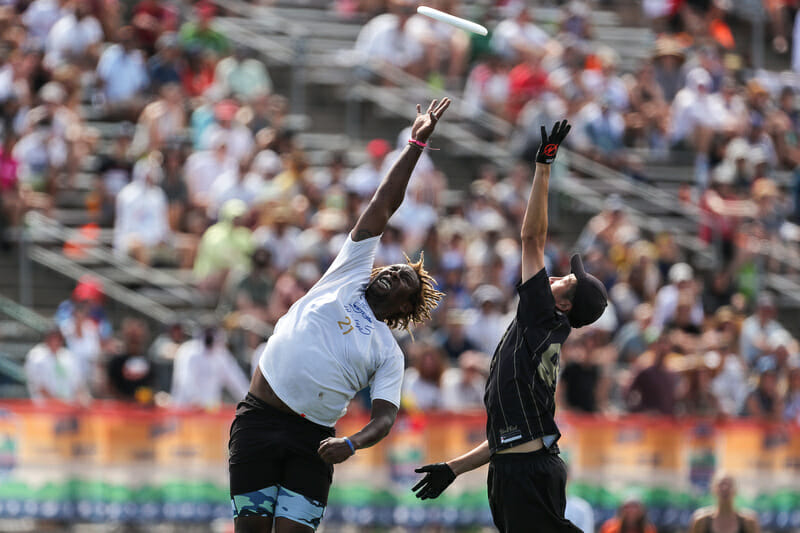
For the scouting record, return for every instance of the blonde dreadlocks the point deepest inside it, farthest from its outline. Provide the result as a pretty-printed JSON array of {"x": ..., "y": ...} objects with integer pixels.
[{"x": 423, "y": 302}]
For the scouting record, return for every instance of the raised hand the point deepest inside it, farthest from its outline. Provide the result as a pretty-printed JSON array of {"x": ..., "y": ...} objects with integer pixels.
[
  {"x": 549, "y": 147},
  {"x": 437, "y": 478},
  {"x": 425, "y": 123}
]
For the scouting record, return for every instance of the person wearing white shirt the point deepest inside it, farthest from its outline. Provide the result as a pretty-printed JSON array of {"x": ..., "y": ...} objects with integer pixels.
[
  {"x": 333, "y": 342},
  {"x": 72, "y": 37},
  {"x": 238, "y": 137},
  {"x": 204, "y": 167},
  {"x": 517, "y": 36},
  {"x": 681, "y": 278},
  {"x": 82, "y": 338},
  {"x": 39, "y": 18},
  {"x": 122, "y": 70},
  {"x": 142, "y": 226},
  {"x": 386, "y": 38},
  {"x": 758, "y": 328},
  {"x": 52, "y": 371},
  {"x": 204, "y": 369},
  {"x": 488, "y": 323},
  {"x": 463, "y": 387}
]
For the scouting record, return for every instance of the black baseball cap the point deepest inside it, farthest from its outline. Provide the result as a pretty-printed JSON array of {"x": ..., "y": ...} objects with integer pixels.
[{"x": 590, "y": 299}]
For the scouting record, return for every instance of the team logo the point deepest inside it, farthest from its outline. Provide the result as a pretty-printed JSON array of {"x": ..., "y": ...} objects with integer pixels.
[{"x": 550, "y": 150}]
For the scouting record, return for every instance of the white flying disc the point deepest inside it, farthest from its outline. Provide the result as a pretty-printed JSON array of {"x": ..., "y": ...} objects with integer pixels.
[{"x": 447, "y": 18}]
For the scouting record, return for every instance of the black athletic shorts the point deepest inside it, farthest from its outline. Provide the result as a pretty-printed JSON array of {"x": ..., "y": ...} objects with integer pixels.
[
  {"x": 270, "y": 448},
  {"x": 527, "y": 492}
]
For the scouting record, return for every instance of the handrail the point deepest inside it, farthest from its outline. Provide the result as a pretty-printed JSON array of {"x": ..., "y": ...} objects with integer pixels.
[
  {"x": 142, "y": 304},
  {"x": 38, "y": 222},
  {"x": 24, "y": 315}
]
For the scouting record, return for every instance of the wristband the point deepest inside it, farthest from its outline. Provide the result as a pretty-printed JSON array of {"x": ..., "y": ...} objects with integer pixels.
[
  {"x": 417, "y": 143},
  {"x": 350, "y": 443}
]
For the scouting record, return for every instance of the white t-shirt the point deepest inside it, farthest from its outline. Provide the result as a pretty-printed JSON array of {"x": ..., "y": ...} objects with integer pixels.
[
  {"x": 60, "y": 375},
  {"x": 202, "y": 374},
  {"x": 329, "y": 345}
]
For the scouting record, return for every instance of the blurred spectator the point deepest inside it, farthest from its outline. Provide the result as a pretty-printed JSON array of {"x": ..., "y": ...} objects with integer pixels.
[
  {"x": 463, "y": 386},
  {"x": 452, "y": 337},
  {"x": 226, "y": 246},
  {"x": 488, "y": 323},
  {"x": 792, "y": 401},
  {"x": 611, "y": 226},
  {"x": 655, "y": 388},
  {"x": 197, "y": 72},
  {"x": 631, "y": 518},
  {"x": 580, "y": 377},
  {"x": 141, "y": 228},
  {"x": 122, "y": 76},
  {"x": 174, "y": 185},
  {"x": 681, "y": 282},
  {"x": 151, "y": 19},
  {"x": 633, "y": 338},
  {"x": 758, "y": 328},
  {"x": 82, "y": 338},
  {"x": 526, "y": 81},
  {"x": 386, "y": 39},
  {"x": 40, "y": 153},
  {"x": 130, "y": 373},
  {"x": 647, "y": 121},
  {"x": 11, "y": 202},
  {"x": 242, "y": 76},
  {"x": 160, "y": 121},
  {"x": 699, "y": 399},
  {"x": 446, "y": 48},
  {"x": 74, "y": 38},
  {"x": 204, "y": 369},
  {"x": 238, "y": 138},
  {"x": 250, "y": 293},
  {"x": 39, "y": 18},
  {"x": 422, "y": 383},
  {"x": 765, "y": 402},
  {"x": 580, "y": 512},
  {"x": 166, "y": 65},
  {"x": 365, "y": 178},
  {"x": 721, "y": 211},
  {"x": 162, "y": 354},
  {"x": 517, "y": 36},
  {"x": 487, "y": 89},
  {"x": 53, "y": 371},
  {"x": 89, "y": 292},
  {"x": 203, "y": 167},
  {"x": 718, "y": 290},
  {"x": 730, "y": 384},
  {"x": 723, "y": 515},
  {"x": 199, "y": 34}
]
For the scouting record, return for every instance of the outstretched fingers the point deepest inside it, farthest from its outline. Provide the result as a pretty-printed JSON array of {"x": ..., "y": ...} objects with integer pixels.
[
  {"x": 431, "y": 107},
  {"x": 419, "y": 109},
  {"x": 440, "y": 109},
  {"x": 544, "y": 135}
]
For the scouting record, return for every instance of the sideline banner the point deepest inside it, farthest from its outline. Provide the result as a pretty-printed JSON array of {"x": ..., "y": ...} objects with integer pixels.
[{"x": 114, "y": 462}]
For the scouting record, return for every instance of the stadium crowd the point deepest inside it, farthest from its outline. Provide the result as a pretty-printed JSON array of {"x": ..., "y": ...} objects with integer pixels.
[
  {"x": 204, "y": 173},
  {"x": 207, "y": 176}
]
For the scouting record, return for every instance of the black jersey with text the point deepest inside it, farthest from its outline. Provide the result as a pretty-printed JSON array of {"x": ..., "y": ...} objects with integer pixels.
[{"x": 520, "y": 391}]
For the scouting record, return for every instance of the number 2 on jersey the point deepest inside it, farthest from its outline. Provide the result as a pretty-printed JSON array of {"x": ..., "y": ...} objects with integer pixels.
[{"x": 343, "y": 324}]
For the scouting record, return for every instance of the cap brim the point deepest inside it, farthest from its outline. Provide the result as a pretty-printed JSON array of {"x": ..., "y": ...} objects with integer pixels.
[{"x": 576, "y": 266}]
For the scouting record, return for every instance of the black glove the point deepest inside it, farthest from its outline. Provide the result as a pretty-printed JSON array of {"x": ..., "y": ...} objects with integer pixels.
[
  {"x": 438, "y": 477},
  {"x": 549, "y": 147}
]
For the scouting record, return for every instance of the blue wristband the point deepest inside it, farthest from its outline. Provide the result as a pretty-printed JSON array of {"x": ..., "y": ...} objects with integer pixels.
[{"x": 349, "y": 443}]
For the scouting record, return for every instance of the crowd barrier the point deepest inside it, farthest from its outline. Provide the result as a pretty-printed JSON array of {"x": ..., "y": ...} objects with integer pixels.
[{"x": 114, "y": 462}]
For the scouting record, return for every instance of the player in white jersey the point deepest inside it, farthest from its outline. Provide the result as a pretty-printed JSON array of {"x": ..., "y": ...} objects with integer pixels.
[{"x": 333, "y": 342}]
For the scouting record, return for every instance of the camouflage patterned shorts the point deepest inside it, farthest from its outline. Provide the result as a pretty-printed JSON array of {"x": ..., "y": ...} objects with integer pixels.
[{"x": 279, "y": 502}]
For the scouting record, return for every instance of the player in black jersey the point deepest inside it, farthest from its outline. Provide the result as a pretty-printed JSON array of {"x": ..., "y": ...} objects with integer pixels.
[{"x": 527, "y": 478}]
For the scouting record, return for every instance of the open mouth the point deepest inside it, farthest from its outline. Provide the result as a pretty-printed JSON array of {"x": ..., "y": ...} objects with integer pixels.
[{"x": 384, "y": 283}]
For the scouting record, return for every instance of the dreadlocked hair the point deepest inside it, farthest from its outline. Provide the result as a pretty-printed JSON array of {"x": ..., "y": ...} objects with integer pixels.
[{"x": 423, "y": 302}]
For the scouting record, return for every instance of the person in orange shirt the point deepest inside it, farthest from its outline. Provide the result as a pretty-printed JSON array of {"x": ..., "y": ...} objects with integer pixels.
[{"x": 631, "y": 518}]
